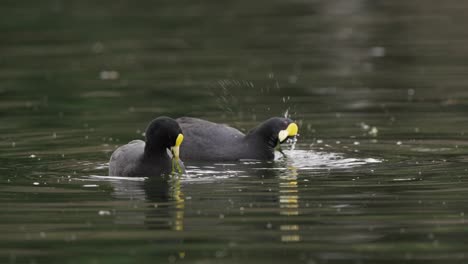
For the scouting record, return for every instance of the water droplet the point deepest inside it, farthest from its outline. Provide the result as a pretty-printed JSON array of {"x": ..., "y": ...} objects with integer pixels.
[
  {"x": 373, "y": 131},
  {"x": 377, "y": 52},
  {"x": 90, "y": 186},
  {"x": 104, "y": 212},
  {"x": 109, "y": 75},
  {"x": 97, "y": 47},
  {"x": 365, "y": 126}
]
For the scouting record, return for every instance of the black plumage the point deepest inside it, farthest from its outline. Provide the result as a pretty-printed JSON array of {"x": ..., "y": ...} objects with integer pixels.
[
  {"x": 150, "y": 157},
  {"x": 208, "y": 141}
]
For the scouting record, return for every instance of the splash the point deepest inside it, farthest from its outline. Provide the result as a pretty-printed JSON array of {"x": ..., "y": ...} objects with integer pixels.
[
  {"x": 313, "y": 160},
  {"x": 300, "y": 160}
]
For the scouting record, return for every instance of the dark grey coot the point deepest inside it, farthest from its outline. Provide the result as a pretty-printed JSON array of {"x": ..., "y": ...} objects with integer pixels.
[
  {"x": 208, "y": 141},
  {"x": 150, "y": 157}
]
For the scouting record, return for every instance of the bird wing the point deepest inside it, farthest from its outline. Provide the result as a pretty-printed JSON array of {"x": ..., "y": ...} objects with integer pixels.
[
  {"x": 125, "y": 157},
  {"x": 204, "y": 139}
]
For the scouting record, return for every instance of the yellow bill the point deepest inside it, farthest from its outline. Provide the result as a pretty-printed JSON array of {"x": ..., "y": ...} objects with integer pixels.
[
  {"x": 175, "y": 149},
  {"x": 290, "y": 131}
]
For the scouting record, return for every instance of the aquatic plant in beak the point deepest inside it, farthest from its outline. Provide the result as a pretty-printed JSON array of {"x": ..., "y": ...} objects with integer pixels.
[{"x": 177, "y": 165}]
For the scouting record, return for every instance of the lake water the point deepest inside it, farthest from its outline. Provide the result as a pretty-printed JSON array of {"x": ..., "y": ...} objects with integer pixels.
[{"x": 379, "y": 89}]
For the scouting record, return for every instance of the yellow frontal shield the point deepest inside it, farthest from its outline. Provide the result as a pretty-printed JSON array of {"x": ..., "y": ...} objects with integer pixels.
[
  {"x": 290, "y": 131},
  {"x": 176, "y": 148}
]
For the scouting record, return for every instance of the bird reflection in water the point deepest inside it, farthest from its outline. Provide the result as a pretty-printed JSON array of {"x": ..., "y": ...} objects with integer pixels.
[
  {"x": 161, "y": 197},
  {"x": 289, "y": 204},
  {"x": 166, "y": 196}
]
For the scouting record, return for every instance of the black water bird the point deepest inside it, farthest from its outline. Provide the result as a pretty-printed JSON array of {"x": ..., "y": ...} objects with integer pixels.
[
  {"x": 150, "y": 157},
  {"x": 208, "y": 141}
]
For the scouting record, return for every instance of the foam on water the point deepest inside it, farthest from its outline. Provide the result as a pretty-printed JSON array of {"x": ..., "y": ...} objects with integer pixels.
[
  {"x": 309, "y": 160},
  {"x": 114, "y": 178},
  {"x": 316, "y": 160}
]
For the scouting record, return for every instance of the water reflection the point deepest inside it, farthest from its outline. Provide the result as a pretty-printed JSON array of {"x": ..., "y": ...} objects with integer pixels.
[
  {"x": 157, "y": 202},
  {"x": 160, "y": 202},
  {"x": 78, "y": 78},
  {"x": 178, "y": 196},
  {"x": 289, "y": 204}
]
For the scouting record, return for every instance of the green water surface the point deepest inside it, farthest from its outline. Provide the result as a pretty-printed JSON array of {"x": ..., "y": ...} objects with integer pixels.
[{"x": 379, "y": 89}]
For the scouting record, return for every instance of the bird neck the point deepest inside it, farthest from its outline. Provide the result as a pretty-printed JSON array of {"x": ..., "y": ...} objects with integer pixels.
[
  {"x": 155, "y": 151},
  {"x": 262, "y": 135},
  {"x": 261, "y": 144}
]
